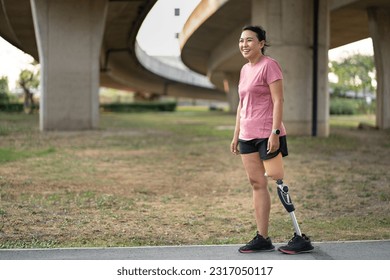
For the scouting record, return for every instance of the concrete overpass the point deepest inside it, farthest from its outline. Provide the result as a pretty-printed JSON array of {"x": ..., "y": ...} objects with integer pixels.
[
  {"x": 301, "y": 33},
  {"x": 84, "y": 44}
]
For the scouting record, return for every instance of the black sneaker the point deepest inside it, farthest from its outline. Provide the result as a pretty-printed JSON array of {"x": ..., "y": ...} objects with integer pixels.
[
  {"x": 297, "y": 244},
  {"x": 258, "y": 244}
]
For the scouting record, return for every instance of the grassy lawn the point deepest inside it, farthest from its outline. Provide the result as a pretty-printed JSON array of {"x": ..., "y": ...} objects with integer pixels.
[{"x": 169, "y": 179}]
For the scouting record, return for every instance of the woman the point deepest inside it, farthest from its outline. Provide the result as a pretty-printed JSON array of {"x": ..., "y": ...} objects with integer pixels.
[{"x": 260, "y": 136}]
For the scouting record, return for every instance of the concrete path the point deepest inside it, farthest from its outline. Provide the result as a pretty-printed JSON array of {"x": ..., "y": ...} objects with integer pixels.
[{"x": 356, "y": 250}]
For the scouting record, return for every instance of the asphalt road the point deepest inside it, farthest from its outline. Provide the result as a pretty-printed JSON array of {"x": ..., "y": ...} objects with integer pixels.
[{"x": 355, "y": 250}]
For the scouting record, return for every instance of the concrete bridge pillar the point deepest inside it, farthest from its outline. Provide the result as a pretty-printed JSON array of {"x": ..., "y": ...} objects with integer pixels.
[
  {"x": 69, "y": 38},
  {"x": 289, "y": 26},
  {"x": 379, "y": 28}
]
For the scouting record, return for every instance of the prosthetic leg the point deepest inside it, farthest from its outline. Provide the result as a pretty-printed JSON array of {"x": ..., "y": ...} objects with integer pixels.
[
  {"x": 300, "y": 243},
  {"x": 288, "y": 205}
]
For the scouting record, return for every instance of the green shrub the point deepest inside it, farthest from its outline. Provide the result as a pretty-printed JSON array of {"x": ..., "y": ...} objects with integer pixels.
[
  {"x": 139, "y": 107},
  {"x": 15, "y": 107},
  {"x": 350, "y": 106},
  {"x": 12, "y": 107},
  {"x": 113, "y": 107},
  {"x": 364, "y": 108},
  {"x": 4, "y": 99},
  {"x": 342, "y": 106}
]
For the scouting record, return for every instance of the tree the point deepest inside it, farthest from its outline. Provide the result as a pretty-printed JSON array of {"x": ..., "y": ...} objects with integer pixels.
[
  {"x": 28, "y": 80},
  {"x": 4, "y": 90},
  {"x": 355, "y": 73}
]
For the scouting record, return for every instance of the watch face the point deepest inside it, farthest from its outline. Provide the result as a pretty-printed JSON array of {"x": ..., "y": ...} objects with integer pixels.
[{"x": 276, "y": 131}]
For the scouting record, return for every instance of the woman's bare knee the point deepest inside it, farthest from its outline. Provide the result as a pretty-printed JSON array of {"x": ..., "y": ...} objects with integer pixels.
[{"x": 258, "y": 184}]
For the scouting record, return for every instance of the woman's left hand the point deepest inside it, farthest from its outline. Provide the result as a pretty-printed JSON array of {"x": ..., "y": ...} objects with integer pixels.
[{"x": 273, "y": 143}]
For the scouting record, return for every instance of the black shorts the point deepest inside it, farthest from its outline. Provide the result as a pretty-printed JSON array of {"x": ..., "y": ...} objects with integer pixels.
[{"x": 260, "y": 146}]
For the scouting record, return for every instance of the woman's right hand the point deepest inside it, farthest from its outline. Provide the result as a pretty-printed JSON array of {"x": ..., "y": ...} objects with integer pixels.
[{"x": 234, "y": 147}]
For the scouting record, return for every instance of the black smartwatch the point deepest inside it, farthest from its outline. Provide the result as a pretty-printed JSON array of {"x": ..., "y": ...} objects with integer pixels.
[{"x": 276, "y": 131}]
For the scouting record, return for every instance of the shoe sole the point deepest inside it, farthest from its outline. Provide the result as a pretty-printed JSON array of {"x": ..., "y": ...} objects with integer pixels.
[
  {"x": 255, "y": 251},
  {"x": 288, "y": 252}
]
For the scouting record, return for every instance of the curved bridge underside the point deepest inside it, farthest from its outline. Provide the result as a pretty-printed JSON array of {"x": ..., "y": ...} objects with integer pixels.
[{"x": 119, "y": 66}]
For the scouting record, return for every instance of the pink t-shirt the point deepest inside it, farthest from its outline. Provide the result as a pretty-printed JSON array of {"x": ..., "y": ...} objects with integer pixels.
[{"x": 255, "y": 96}]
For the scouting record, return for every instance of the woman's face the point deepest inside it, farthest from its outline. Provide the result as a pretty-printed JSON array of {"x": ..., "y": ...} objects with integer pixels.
[{"x": 250, "y": 46}]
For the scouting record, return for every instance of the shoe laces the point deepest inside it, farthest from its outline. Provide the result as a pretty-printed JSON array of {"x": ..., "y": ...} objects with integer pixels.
[
  {"x": 294, "y": 238},
  {"x": 254, "y": 239},
  {"x": 257, "y": 237}
]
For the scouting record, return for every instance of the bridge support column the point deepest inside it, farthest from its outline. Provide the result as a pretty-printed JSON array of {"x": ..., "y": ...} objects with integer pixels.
[
  {"x": 379, "y": 27},
  {"x": 231, "y": 88},
  {"x": 289, "y": 26},
  {"x": 69, "y": 37}
]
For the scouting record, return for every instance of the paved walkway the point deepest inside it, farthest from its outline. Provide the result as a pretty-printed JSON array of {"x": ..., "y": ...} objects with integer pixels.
[{"x": 356, "y": 250}]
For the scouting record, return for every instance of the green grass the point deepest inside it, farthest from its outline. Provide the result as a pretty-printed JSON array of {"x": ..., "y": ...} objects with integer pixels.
[
  {"x": 9, "y": 154},
  {"x": 169, "y": 179},
  {"x": 352, "y": 121}
]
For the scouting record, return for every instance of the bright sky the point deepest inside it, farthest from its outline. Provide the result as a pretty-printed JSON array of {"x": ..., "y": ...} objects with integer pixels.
[
  {"x": 157, "y": 33},
  {"x": 362, "y": 47},
  {"x": 156, "y": 37},
  {"x": 12, "y": 62}
]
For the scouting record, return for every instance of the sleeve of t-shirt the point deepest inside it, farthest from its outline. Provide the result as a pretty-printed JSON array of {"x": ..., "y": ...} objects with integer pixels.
[{"x": 274, "y": 72}]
